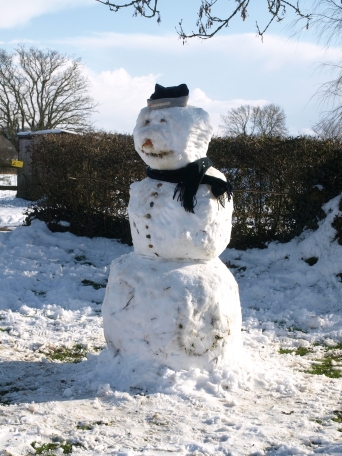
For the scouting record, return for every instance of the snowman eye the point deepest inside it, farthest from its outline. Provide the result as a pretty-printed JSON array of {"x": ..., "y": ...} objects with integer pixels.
[
  {"x": 162, "y": 120},
  {"x": 147, "y": 122}
]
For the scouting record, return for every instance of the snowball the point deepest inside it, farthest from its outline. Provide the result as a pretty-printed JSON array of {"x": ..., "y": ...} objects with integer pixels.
[{"x": 171, "y": 138}]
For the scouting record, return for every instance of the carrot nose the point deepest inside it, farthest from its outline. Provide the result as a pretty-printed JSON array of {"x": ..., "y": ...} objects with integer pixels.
[{"x": 148, "y": 143}]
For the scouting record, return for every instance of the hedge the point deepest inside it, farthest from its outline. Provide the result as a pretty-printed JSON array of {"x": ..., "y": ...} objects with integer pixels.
[{"x": 280, "y": 184}]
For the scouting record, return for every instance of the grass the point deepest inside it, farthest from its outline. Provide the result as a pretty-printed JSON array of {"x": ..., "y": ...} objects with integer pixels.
[
  {"x": 300, "y": 351},
  {"x": 48, "y": 448},
  {"x": 66, "y": 355},
  {"x": 338, "y": 346},
  {"x": 338, "y": 417},
  {"x": 90, "y": 426},
  {"x": 85, "y": 427},
  {"x": 325, "y": 367},
  {"x": 329, "y": 365},
  {"x": 90, "y": 283}
]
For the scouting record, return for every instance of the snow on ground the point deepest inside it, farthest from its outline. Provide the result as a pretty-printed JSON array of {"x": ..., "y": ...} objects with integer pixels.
[
  {"x": 11, "y": 208},
  {"x": 51, "y": 290}
]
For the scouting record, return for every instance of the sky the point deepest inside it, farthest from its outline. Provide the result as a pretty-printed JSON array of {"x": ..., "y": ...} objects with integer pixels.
[{"x": 124, "y": 57}]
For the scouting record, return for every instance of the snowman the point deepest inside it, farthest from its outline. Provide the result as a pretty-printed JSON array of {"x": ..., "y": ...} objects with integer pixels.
[{"x": 172, "y": 303}]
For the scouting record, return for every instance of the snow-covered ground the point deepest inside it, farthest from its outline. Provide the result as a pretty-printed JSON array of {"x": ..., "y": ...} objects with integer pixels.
[
  {"x": 11, "y": 208},
  {"x": 51, "y": 290}
]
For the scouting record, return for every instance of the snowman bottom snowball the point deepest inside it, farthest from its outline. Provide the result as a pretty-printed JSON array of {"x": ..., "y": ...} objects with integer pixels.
[{"x": 172, "y": 314}]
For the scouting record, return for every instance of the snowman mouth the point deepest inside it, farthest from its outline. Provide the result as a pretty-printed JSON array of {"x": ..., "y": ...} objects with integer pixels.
[
  {"x": 148, "y": 144},
  {"x": 160, "y": 154}
]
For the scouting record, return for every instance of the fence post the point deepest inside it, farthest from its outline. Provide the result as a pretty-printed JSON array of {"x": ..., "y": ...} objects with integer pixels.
[
  {"x": 28, "y": 184},
  {"x": 29, "y": 187}
]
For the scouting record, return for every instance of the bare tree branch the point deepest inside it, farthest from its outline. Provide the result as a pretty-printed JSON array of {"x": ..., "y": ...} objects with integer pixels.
[
  {"x": 269, "y": 120},
  {"x": 42, "y": 90},
  {"x": 144, "y": 8},
  {"x": 208, "y": 24}
]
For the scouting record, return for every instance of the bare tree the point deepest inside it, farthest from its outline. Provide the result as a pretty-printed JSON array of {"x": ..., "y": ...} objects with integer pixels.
[
  {"x": 326, "y": 19},
  {"x": 238, "y": 121},
  {"x": 42, "y": 90},
  {"x": 268, "y": 120},
  {"x": 330, "y": 93},
  {"x": 208, "y": 23},
  {"x": 329, "y": 126}
]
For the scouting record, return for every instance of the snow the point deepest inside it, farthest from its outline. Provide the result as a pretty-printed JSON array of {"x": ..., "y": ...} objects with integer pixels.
[
  {"x": 175, "y": 314},
  {"x": 52, "y": 285},
  {"x": 171, "y": 138},
  {"x": 160, "y": 221},
  {"x": 11, "y": 208},
  {"x": 44, "y": 132}
]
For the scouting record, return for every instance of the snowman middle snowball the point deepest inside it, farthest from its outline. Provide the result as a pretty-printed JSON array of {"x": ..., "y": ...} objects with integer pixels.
[{"x": 170, "y": 139}]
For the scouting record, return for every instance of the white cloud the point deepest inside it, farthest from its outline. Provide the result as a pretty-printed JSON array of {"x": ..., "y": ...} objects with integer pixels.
[
  {"x": 121, "y": 96},
  {"x": 217, "y": 107},
  {"x": 302, "y": 131},
  {"x": 18, "y": 12},
  {"x": 273, "y": 53}
]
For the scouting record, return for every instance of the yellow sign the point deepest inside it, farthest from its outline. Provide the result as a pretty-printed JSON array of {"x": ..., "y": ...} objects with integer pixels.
[{"x": 17, "y": 163}]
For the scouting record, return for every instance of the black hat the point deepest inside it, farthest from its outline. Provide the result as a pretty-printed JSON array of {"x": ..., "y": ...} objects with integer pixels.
[{"x": 166, "y": 97}]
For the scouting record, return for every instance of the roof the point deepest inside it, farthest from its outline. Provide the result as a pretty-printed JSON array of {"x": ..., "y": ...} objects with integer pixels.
[{"x": 29, "y": 134}]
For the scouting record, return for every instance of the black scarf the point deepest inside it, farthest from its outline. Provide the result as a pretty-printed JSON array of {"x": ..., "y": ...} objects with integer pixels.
[{"x": 188, "y": 180}]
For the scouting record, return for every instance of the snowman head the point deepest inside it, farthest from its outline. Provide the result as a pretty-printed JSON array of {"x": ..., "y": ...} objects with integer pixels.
[{"x": 172, "y": 137}]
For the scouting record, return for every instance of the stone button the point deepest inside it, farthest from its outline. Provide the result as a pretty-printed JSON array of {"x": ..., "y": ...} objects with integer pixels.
[
  {"x": 150, "y": 246},
  {"x": 159, "y": 185},
  {"x": 148, "y": 215},
  {"x": 148, "y": 236},
  {"x": 151, "y": 204}
]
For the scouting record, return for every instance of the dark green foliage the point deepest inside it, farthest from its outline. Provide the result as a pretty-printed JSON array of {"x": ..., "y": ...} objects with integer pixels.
[
  {"x": 294, "y": 176},
  {"x": 95, "y": 201},
  {"x": 292, "y": 169}
]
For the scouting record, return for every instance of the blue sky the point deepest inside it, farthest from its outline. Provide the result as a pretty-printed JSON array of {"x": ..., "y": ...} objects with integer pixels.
[{"x": 124, "y": 57}]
